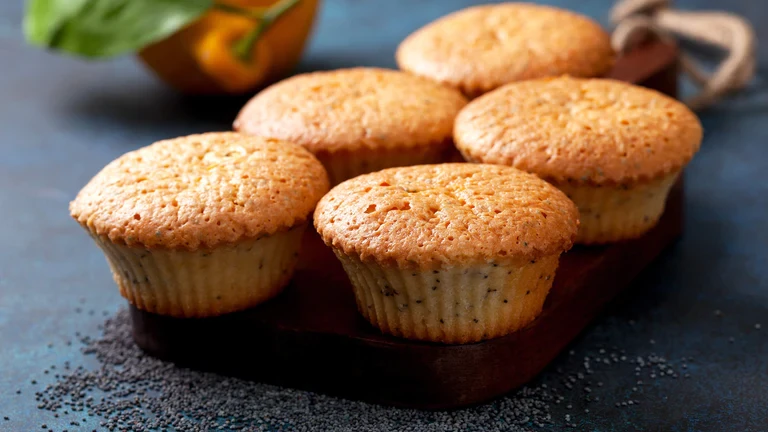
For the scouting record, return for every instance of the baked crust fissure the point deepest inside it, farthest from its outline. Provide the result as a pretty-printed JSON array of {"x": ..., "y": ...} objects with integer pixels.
[
  {"x": 580, "y": 131},
  {"x": 430, "y": 216},
  {"x": 201, "y": 191}
]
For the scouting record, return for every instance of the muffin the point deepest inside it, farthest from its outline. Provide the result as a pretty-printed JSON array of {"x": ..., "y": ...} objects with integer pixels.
[
  {"x": 451, "y": 253},
  {"x": 202, "y": 225},
  {"x": 357, "y": 120},
  {"x": 614, "y": 148},
  {"x": 480, "y": 48}
]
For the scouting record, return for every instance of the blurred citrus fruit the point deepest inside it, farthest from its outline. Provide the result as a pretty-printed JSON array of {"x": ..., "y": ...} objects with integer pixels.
[{"x": 202, "y": 57}]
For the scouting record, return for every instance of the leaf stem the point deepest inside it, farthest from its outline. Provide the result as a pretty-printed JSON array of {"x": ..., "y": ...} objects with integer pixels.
[
  {"x": 255, "y": 13},
  {"x": 278, "y": 9},
  {"x": 244, "y": 47}
]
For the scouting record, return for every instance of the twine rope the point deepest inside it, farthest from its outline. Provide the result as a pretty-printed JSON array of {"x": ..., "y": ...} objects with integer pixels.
[{"x": 636, "y": 19}]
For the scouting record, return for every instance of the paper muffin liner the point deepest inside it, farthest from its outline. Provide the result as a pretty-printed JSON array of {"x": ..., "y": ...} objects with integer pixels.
[
  {"x": 346, "y": 164},
  {"x": 614, "y": 213},
  {"x": 451, "y": 305},
  {"x": 204, "y": 283}
]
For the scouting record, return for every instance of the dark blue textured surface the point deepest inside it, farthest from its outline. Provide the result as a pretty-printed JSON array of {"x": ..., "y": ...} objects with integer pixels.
[{"x": 62, "y": 119}]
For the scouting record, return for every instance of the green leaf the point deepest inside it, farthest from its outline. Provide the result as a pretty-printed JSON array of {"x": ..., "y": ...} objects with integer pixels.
[
  {"x": 44, "y": 17},
  {"x": 105, "y": 28}
]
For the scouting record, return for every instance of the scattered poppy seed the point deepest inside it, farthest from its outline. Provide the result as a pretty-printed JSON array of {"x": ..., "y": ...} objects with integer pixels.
[{"x": 132, "y": 391}]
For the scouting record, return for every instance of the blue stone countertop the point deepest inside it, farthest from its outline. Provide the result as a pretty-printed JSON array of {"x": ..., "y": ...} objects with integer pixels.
[{"x": 62, "y": 119}]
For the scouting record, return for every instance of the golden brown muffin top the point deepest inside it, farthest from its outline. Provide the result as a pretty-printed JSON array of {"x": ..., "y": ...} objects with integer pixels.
[
  {"x": 201, "y": 191},
  {"x": 595, "y": 131},
  {"x": 427, "y": 216},
  {"x": 355, "y": 108},
  {"x": 483, "y": 47}
]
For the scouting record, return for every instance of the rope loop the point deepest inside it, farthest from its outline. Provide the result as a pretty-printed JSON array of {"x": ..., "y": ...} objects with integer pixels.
[{"x": 636, "y": 19}]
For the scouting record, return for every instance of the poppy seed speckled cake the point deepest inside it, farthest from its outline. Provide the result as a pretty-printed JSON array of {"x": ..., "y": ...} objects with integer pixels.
[
  {"x": 452, "y": 253},
  {"x": 202, "y": 225},
  {"x": 614, "y": 148}
]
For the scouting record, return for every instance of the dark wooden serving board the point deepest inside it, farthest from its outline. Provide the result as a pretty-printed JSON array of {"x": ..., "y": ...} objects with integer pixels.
[{"x": 312, "y": 337}]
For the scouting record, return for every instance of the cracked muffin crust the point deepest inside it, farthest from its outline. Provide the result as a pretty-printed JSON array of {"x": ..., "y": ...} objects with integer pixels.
[
  {"x": 357, "y": 120},
  {"x": 480, "y": 48}
]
